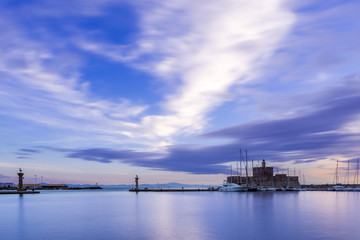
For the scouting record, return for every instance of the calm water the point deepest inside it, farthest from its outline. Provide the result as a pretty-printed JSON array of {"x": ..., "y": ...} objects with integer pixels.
[{"x": 107, "y": 214}]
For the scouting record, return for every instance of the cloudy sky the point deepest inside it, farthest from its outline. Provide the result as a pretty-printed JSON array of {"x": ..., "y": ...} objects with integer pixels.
[{"x": 99, "y": 91}]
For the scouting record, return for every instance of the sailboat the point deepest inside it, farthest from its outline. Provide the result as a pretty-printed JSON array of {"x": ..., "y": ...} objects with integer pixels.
[
  {"x": 348, "y": 188},
  {"x": 357, "y": 188},
  {"x": 233, "y": 187},
  {"x": 337, "y": 186}
]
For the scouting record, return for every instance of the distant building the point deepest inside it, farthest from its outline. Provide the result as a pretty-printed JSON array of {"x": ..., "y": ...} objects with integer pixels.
[
  {"x": 55, "y": 186},
  {"x": 264, "y": 177},
  {"x": 7, "y": 185},
  {"x": 45, "y": 186},
  {"x": 31, "y": 186}
]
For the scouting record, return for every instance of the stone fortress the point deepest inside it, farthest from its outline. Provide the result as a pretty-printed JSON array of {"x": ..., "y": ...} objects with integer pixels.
[{"x": 264, "y": 177}]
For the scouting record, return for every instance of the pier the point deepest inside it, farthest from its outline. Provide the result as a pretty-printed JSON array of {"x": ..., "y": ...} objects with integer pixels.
[
  {"x": 21, "y": 189},
  {"x": 137, "y": 189},
  {"x": 174, "y": 190},
  {"x": 19, "y": 192}
]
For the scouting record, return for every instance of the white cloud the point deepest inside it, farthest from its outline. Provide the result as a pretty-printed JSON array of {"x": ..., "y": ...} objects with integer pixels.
[
  {"x": 200, "y": 48},
  {"x": 209, "y": 46},
  {"x": 43, "y": 87}
]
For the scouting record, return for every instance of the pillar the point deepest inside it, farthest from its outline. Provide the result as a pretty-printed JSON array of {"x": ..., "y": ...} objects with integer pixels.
[
  {"x": 136, "y": 183},
  {"x": 21, "y": 186}
]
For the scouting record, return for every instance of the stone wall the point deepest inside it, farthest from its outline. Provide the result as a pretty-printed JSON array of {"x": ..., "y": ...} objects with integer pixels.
[{"x": 277, "y": 181}]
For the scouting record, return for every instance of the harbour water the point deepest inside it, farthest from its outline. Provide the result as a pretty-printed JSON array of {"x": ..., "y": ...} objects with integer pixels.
[{"x": 115, "y": 214}]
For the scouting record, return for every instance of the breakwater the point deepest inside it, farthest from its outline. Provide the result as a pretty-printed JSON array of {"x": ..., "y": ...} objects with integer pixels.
[
  {"x": 19, "y": 192},
  {"x": 174, "y": 190}
]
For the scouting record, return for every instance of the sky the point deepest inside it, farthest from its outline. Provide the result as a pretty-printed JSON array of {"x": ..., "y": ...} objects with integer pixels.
[{"x": 100, "y": 91}]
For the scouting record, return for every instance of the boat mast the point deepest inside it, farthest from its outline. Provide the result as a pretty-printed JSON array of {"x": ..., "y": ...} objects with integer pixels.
[
  {"x": 336, "y": 173},
  {"x": 230, "y": 173},
  {"x": 237, "y": 172},
  {"x": 252, "y": 169},
  {"x": 288, "y": 178},
  {"x": 346, "y": 180},
  {"x": 246, "y": 169},
  {"x": 357, "y": 173},
  {"x": 240, "y": 167},
  {"x": 259, "y": 172}
]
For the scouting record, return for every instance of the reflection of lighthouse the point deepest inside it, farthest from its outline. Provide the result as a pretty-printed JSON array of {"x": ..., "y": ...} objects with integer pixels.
[
  {"x": 21, "y": 174},
  {"x": 137, "y": 183}
]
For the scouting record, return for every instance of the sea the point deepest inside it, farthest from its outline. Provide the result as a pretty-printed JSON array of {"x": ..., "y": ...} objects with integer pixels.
[{"x": 119, "y": 214}]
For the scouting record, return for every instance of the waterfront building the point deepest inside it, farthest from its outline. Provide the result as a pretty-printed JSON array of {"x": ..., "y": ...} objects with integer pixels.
[
  {"x": 31, "y": 186},
  {"x": 7, "y": 185},
  {"x": 45, "y": 186},
  {"x": 54, "y": 186},
  {"x": 264, "y": 177}
]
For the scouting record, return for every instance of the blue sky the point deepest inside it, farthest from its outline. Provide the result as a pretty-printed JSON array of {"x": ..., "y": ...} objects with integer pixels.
[{"x": 99, "y": 91}]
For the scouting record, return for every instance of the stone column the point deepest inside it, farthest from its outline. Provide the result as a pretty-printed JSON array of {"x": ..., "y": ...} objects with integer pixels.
[
  {"x": 21, "y": 186},
  {"x": 136, "y": 183}
]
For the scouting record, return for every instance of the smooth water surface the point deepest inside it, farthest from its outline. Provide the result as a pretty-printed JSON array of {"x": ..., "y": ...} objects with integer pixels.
[{"x": 109, "y": 214}]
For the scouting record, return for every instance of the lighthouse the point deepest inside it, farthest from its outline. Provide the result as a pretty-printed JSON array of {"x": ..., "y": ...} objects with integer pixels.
[
  {"x": 20, "y": 174},
  {"x": 137, "y": 183}
]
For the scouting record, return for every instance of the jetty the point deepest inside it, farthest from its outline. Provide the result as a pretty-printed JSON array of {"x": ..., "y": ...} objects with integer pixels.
[
  {"x": 21, "y": 189},
  {"x": 137, "y": 189},
  {"x": 174, "y": 190},
  {"x": 19, "y": 192}
]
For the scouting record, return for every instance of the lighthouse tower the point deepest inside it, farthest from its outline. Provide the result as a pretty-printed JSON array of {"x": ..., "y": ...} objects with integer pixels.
[
  {"x": 137, "y": 183},
  {"x": 21, "y": 174}
]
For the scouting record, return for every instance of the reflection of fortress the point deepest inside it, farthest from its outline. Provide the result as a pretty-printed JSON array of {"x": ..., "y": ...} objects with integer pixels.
[{"x": 264, "y": 177}]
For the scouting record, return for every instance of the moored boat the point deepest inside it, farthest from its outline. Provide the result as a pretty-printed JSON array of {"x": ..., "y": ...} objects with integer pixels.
[
  {"x": 232, "y": 187},
  {"x": 270, "y": 189},
  {"x": 336, "y": 188}
]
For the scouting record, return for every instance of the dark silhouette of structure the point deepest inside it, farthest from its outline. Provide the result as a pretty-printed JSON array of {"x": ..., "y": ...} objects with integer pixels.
[
  {"x": 20, "y": 189},
  {"x": 21, "y": 185},
  {"x": 137, "y": 183},
  {"x": 264, "y": 177},
  {"x": 263, "y": 174}
]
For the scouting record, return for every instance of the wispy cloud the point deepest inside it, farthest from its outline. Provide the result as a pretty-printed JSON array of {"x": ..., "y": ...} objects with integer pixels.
[
  {"x": 305, "y": 138},
  {"x": 314, "y": 134},
  {"x": 27, "y": 153},
  {"x": 213, "y": 46},
  {"x": 285, "y": 58},
  {"x": 178, "y": 158},
  {"x": 44, "y": 87},
  {"x": 26, "y": 150}
]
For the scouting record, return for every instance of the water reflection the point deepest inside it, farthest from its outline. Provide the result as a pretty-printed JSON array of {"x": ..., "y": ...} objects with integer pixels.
[
  {"x": 200, "y": 215},
  {"x": 21, "y": 221}
]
